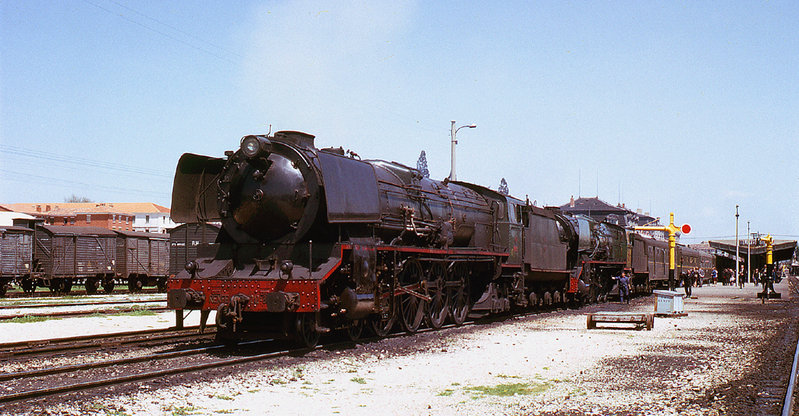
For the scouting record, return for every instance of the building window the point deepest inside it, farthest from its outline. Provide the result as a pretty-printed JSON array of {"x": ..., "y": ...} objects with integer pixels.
[
  {"x": 146, "y": 219},
  {"x": 38, "y": 208},
  {"x": 65, "y": 220},
  {"x": 114, "y": 218},
  {"x": 88, "y": 218},
  {"x": 47, "y": 208},
  {"x": 72, "y": 220}
]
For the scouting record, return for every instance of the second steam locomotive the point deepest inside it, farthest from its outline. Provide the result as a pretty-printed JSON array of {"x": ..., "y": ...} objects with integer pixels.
[{"x": 314, "y": 240}]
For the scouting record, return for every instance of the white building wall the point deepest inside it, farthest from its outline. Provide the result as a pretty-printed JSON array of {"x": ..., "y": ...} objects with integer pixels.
[{"x": 153, "y": 222}]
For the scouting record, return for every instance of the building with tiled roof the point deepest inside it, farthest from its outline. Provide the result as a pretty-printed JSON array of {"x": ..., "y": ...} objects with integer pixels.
[
  {"x": 121, "y": 216},
  {"x": 602, "y": 211}
]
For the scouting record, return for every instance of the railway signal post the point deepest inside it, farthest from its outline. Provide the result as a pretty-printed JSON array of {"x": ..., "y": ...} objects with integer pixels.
[{"x": 672, "y": 231}]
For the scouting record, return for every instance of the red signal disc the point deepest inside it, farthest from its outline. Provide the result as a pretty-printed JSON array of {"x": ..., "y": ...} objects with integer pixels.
[{"x": 685, "y": 228}]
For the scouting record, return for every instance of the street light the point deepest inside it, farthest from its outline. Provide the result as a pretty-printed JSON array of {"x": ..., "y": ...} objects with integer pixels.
[
  {"x": 737, "y": 262},
  {"x": 454, "y": 131},
  {"x": 748, "y": 254}
]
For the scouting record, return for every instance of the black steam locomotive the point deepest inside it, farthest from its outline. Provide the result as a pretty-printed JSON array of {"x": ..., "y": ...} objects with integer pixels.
[{"x": 314, "y": 240}]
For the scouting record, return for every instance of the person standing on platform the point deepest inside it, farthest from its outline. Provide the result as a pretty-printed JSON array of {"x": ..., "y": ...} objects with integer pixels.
[{"x": 685, "y": 277}]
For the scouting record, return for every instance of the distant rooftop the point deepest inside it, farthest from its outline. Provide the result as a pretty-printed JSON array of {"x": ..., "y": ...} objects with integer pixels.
[{"x": 65, "y": 208}]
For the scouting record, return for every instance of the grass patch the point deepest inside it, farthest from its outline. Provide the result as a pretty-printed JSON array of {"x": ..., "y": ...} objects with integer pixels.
[
  {"x": 28, "y": 319},
  {"x": 182, "y": 410},
  {"x": 446, "y": 393},
  {"x": 225, "y": 411},
  {"x": 508, "y": 389},
  {"x": 506, "y": 376},
  {"x": 359, "y": 380},
  {"x": 223, "y": 397}
]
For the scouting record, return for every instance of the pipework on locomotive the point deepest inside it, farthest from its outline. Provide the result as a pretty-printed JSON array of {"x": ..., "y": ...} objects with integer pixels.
[{"x": 315, "y": 240}]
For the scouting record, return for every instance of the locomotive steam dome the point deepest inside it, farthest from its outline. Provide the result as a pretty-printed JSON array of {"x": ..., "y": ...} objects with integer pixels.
[{"x": 265, "y": 192}]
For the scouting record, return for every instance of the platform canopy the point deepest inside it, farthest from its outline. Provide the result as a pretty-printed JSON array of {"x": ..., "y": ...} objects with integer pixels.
[{"x": 783, "y": 249}]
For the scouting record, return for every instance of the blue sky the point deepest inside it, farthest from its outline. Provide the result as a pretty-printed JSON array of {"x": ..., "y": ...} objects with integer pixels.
[{"x": 684, "y": 107}]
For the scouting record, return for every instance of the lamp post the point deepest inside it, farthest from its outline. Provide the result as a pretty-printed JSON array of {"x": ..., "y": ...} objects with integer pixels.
[
  {"x": 737, "y": 262},
  {"x": 748, "y": 254},
  {"x": 454, "y": 131}
]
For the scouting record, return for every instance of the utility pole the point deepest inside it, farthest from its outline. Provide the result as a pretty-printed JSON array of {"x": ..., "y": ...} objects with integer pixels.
[
  {"x": 737, "y": 262},
  {"x": 748, "y": 254},
  {"x": 454, "y": 132}
]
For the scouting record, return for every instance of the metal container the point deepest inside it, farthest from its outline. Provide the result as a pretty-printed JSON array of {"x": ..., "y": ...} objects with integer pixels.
[{"x": 668, "y": 302}]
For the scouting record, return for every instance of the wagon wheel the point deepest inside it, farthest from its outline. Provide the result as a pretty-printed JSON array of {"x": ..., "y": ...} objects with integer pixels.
[
  {"x": 411, "y": 308},
  {"x": 55, "y": 285},
  {"x": 134, "y": 284},
  {"x": 91, "y": 285},
  {"x": 66, "y": 285},
  {"x": 161, "y": 284},
  {"x": 108, "y": 286},
  {"x": 28, "y": 286},
  {"x": 3, "y": 289},
  {"x": 437, "y": 310},
  {"x": 458, "y": 293},
  {"x": 305, "y": 333},
  {"x": 354, "y": 330}
]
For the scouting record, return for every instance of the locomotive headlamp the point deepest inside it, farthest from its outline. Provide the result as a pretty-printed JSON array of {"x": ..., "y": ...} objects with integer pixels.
[{"x": 254, "y": 146}]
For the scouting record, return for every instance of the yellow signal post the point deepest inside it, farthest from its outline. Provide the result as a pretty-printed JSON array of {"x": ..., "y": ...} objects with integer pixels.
[
  {"x": 769, "y": 253},
  {"x": 672, "y": 230}
]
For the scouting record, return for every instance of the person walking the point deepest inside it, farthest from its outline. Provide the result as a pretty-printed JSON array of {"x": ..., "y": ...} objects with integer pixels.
[{"x": 624, "y": 287}]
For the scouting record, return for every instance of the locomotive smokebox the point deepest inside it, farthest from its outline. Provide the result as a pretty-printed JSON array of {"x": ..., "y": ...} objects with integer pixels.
[{"x": 269, "y": 199}]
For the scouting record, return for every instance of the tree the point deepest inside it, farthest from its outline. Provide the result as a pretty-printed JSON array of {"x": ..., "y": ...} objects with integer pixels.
[
  {"x": 503, "y": 187},
  {"x": 75, "y": 198},
  {"x": 421, "y": 165}
]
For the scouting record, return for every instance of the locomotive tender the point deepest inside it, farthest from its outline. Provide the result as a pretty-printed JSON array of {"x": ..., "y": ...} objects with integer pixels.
[{"x": 314, "y": 240}]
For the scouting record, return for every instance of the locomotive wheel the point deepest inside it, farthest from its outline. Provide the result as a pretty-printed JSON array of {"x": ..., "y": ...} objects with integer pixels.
[
  {"x": 306, "y": 334},
  {"x": 437, "y": 309},
  {"x": 458, "y": 294},
  {"x": 354, "y": 330},
  {"x": 381, "y": 324},
  {"x": 411, "y": 308}
]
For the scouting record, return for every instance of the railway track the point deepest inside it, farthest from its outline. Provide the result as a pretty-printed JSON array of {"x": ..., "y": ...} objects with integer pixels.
[
  {"x": 12, "y": 295},
  {"x": 75, "y": 344},
  {"x": 35, "y": 384},
  {"x": 58, "y": 305},
  {"x": 61, "y": 314}
]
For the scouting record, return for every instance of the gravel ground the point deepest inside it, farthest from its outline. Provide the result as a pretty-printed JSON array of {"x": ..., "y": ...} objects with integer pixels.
[{"x": 730, "y": 355}]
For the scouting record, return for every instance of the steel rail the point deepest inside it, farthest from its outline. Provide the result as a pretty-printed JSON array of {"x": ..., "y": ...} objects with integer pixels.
[
  {"x": 85, "y": 341},
  {"x": 58, "y": 305},
  {"x": 106, "y": 363},
  {"x": 14, "y": 295},
  {"x": 787, "y": 406},
  {"x": 79, "y": 313},
  {"x": 32, "y": 394}
]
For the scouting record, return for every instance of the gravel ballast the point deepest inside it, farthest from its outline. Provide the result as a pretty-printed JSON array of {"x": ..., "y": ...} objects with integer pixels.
[{"x": 728, "y": 356}]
